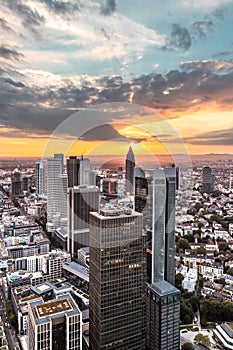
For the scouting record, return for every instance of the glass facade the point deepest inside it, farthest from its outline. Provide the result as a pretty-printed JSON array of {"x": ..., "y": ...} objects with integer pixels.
[{"x": 117, "y": 282}]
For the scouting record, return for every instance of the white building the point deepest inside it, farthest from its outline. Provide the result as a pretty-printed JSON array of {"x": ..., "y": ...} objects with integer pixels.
[{"x": 190, "y": 280}]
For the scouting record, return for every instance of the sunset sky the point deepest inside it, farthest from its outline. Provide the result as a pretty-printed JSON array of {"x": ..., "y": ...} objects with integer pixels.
[{"x": 61, "y": 57}]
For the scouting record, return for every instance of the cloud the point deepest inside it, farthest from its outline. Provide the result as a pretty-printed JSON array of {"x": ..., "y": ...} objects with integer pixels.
[
  {"x": 61, "y": 7},
  {"x": 180, "y": 38},
  {"x": 219, "y": 12},
  {"x": 4, "y": 25},
  {"x": 10, "y": 53},
  {"x": 220, "y": 137},
  {"x": 30, "y": 17},
  {"x": 201, "y": 28},
  {"x": 214, "y": 66},
  {"x": 109, "y": 8}
]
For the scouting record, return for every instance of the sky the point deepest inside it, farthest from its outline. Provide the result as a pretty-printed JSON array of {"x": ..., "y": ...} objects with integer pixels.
[{"x": 61, "y": 57}]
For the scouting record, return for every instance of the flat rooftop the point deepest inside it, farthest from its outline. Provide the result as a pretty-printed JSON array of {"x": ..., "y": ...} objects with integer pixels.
[
  {"x": 163, "y": 288},
  {"x": 53, "y": 307}
]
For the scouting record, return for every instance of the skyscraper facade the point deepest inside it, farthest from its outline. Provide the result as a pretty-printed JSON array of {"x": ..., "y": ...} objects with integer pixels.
[
  {"x": 163, "y": 317},
  {"x": 208, "y": 180},
  {"x": 141, "y": 190},
  {"x": 73, "y": 167},
  {"x": 55, "y": 168},
  {"x": 41, "y": 179},
  {"x": 163, "y": 299},
  {"x": 117, "y": 280},
  {"x": 81, "y": 201},
  {"x": 129, "y": 172},
  {"x": 163, "y": 226}
]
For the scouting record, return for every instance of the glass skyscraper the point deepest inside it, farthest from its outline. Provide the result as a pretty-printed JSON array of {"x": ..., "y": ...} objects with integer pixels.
[{"x": 117, "y": 280}]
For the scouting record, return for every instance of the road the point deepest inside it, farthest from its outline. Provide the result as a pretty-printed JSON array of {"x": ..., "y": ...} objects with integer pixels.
[{"x": 10, "y": 333}]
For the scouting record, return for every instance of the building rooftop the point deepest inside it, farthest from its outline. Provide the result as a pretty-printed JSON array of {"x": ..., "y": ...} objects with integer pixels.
[
  {"x": 164, "y": 288},
  {"x": 77, "y": 269},
  {"x": 53, "y": 307}
]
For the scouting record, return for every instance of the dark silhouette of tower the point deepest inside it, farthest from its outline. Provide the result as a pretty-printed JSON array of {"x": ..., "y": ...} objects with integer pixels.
[
  {"x": 73, "y": 166},
  {"x": 129, "y": 168},
  {"x": 141, "y": 189},
  {"x": 208, "y": 180}
]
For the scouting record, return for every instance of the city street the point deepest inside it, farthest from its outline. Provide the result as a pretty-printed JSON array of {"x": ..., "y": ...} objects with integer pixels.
[{"x": 10, "y": 333}]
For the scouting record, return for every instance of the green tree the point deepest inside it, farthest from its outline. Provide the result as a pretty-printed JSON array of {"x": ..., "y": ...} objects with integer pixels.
[
  {"x": 183, "y": 244},
  {"x": 230, "y": 271},
  {"x": 178, "y": 280},
  {"x": 201, "y": 250},
  {"x": 187, "y": 346},
  {"x": 202, "y": 339}
]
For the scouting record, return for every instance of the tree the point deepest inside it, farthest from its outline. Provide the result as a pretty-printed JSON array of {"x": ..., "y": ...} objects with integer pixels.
[
  {"x": 178, "y": 280},
  {"x": 203, "y": 340},
  {"x": 230, "y": 271},
  {"x": 201, "y": 250},
  {"x": 187, "y": 346},
  {"x": 183, "y": 244}
]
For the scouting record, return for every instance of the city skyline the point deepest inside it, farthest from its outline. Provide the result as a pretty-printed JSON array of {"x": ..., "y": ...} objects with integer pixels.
[{"x": 61, "y": 57}]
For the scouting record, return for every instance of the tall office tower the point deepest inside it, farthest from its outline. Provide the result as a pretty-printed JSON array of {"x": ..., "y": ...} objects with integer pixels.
[
  {"x": 73, "y": 166},
  {"x": 41, "y": 181},
  {"x": 16, "y": 184},
  {"x": 85, "y": 168},
  {"x": 117, "y": 280},
  {"x": 25, "y": 183},
  {"x": 129, "y": 168},
  {"x": 163, "y": 226},
  {"x": 56, "y": 324},
  {"x": 55, "y": 168},
  {"x": 141, "y": 190},
  {"x": 63, "y": 182},
  {"x": 81, "y": 201},
  {"x": 163, "y": 316},
  {"x": 163, "y": 299},
  {"x": 208, "y": 180}
]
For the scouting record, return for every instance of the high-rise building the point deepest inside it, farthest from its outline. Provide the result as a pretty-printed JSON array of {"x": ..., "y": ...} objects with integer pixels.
[
  {"x": 163, "y": 316},
  {"x": 55, "y": 168},
  {"x": 208, "y": 180},
  {"x": 84, "y": 172},
  {"x": 25, "y": 183},
  {"x": 41, "y": 181},
  {"x": 73, "y": 167},
  {"x": 163, "y": 226},
  {"x": 16, "y": 183},
  {"x": 129, "y": 171},
  {"x": 117, "y": 280},
  {"x": 141, "y": 190},
  {"x": 163, "y": 299},
  {"x": 55, "y": 324},
  {"x": 81, "y": 201}
]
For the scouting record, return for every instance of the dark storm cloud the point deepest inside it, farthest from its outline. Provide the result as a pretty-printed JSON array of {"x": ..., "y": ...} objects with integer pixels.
[
  {"x": 109, "y": 8},
  {"x": 60, "y": 7},
  {"x": 180, "y": 38},
  {"x": 35, "y": 109},
  {"x": 201, "y": 28},
  {"x": 220, "y": 137},
  {"x": 29, "y": 17},
  {"x": 10, "y": 53}
]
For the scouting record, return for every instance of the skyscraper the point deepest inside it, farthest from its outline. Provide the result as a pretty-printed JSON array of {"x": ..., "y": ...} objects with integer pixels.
[
  {"x": 163, "y": 226},
  {"x": 56, "y": 324},
  {"x": 55, "y": 168},
  {"x": 117, "y": 280},
  {"x": 163, "y": 305},
  {"x": 73, "y": 167},
  {"x": 41, "y": 180},
  {"x": 208, "y": 180},
  {"x": 129, "y": 174},
  {"x": 16, "y": 183},
  {"x": 81, "y": 201},
  {"x": 141, "y": 189},
  {"x": 163, "y": 317},
  {"x": 84, "y": 173}
]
